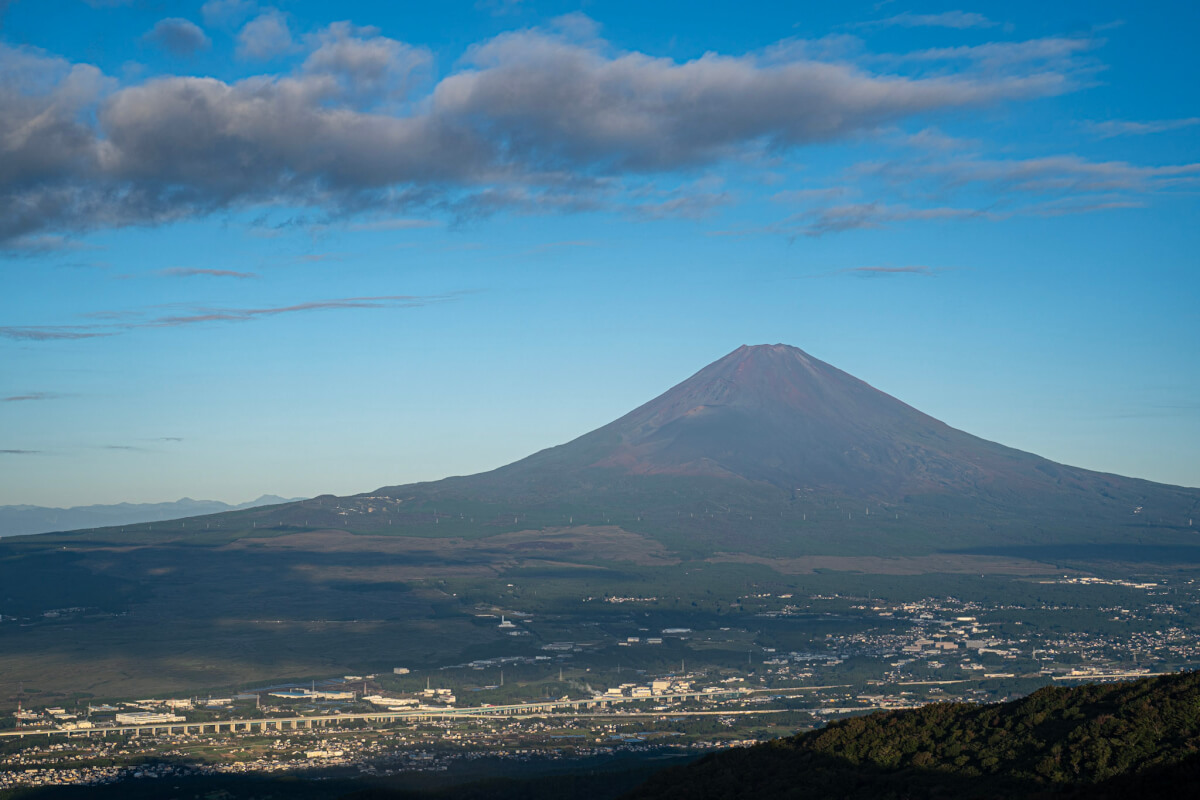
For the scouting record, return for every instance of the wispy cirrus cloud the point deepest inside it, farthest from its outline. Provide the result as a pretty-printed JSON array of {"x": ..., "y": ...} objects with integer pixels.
[
  {"x": 1045, "y": 175},
  {"x": 1109, "y": 128},
  {"x": 11, "y": 452},
  {"x": 688, "y": 205},
  {"x": 394, "y": 224},
  {"x": 819, "y": 222},
  {"x": 946, "y": 19},
  {"x": 246, "y": 314},
  {"x": 50, "y": 333},
  {"x": 880, "y": 272},
  {"x": 1152, "y": 410},
  {"x": 1047, "y": 66},
  {"x": 1064, "y": 206},
  {"x": 696, "y": 199},
  {"x": 199, "y": 315},
  {"x": 883, "y": 272},
  {"x": 855, "y": 216},
  {"x": 42, "y": 245},
  {"x": 190, "y": 272},
  {"x": 945, "y": 183},
  {"x": 30, "y": 397}
]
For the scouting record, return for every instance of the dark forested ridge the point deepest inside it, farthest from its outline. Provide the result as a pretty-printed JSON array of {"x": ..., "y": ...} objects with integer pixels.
[{"x": 1104, "y": 740}]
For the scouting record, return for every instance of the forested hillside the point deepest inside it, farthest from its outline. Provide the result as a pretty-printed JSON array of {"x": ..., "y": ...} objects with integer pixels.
[{"x": 1102, "y": 740}]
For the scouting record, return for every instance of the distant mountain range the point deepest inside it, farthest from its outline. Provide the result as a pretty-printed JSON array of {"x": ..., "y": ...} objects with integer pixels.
[{"x": 19, "y": 520}]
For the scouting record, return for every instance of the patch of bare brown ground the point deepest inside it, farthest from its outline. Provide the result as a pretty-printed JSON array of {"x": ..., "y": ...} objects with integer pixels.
[
  {"x": 899, "y": 565},
  {"x": 572, "y": 544}
]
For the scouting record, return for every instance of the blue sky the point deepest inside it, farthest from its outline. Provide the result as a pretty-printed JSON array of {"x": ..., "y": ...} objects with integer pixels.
[{"x": 255, "y": 247}]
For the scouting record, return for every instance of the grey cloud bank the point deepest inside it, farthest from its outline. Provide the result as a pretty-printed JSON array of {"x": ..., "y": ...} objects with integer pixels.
[{"x": 540, "y": 120}]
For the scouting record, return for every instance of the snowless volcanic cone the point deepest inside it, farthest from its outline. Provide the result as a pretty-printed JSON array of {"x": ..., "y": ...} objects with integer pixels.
[
  {"x": 797, "y": 456},
  {"x": 774, "y": 414}
]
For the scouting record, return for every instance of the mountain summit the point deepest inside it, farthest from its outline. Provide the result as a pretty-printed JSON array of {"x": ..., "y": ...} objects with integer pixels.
[{"x": 775, "y": 414}]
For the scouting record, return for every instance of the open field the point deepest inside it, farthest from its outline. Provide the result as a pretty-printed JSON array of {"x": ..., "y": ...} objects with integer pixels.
[
  {"x": 87, "y": 616},
  {"x": 896, "y": 565}
]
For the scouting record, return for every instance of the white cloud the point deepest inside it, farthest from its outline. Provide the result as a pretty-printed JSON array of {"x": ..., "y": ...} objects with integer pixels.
[
  {"x": 178, "y": 36},
  {"x": 265, "y": 37},
  {"x": 365, "y": 64}
]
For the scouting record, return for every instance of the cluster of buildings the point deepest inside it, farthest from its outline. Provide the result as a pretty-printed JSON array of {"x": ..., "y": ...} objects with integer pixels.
[
  {"x": 314, "y": 694},
  {"x": 950, "y": 641},
  {"x": 430, "y": 747},
  {"x": 426, "y": 700},
  {"x": 147, "y": 717},
  {"x": 658, "y": 688}
]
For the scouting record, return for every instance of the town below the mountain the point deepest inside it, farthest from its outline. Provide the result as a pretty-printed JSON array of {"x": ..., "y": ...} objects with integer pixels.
[{"x": 622, "y": 684}]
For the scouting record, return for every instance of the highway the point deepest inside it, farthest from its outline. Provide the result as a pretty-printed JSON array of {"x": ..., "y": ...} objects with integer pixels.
[{"x": 297, "y": 723}]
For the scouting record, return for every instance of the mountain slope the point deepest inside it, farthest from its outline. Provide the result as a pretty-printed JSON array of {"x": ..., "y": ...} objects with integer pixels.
[
  {"x": 770, "y": 452},
  {"x": 772, "y": 434},
  {"x": 1092, "y": 740},
  {"x": 773, "y": 413}
]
